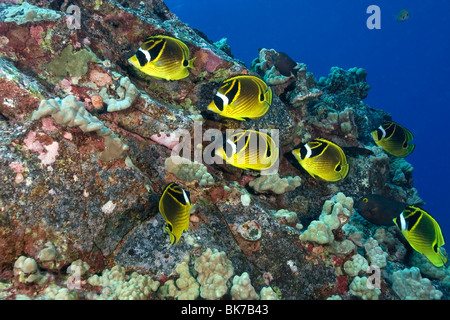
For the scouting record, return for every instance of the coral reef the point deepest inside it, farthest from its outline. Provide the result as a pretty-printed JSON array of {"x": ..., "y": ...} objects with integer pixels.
[
  {"x": 275, "y": 183},
  {"x": 116, "y": 285},
  {"x": 214, "y": 270},
  {"x": 27, "y": 13},
  {"x": 87, "y": 145},
  {"x": 359, "y": 288},
  {"x": 127, "y": 93},
  {"x": 69, "y": 112},
  {"x": 409, "y": 285},
  {"x": 242, "y": 288},
  {"x": 356, "y": 265},
  {"x": 187, "y": 170},
  {"x": 335, "y": 214}
]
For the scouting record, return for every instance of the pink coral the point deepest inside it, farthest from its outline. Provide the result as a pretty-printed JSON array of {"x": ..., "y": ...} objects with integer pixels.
[
  {"x": 97, "y": 102},
  {"x": 17, "y": 167},
  {"x": 169, "y": 141},
  {"x": 47, "y": 153},
  {"x": 47, "y": 124},
  {"x": 209, "y": 59},
  {"x": 36, "y": 33},
  {"x": 49, "y": 157},
  {"x": 68, "y": 136},
  {"x": 65, "y": 84},
  {"x": 100, "y": 78},
  {"x": 32, "y": 144}
]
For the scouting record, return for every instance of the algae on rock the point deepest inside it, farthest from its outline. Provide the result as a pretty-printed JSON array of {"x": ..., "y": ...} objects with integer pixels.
[
  {"x": 29, "y": 13},
  {"x": 70, "y": 63}
]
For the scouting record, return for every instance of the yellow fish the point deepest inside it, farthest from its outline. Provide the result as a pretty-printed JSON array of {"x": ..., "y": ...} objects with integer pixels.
[
  {"x": 242, "y": 97},
  {"x": 249, "y": 149},
  {"x": 394, "y": 139},
  {"x": 423, "y": 233},
  {"x": 163, "y": 57},
  {"x": 322, "y": 158},
  {"x": 175, "y": 206}
]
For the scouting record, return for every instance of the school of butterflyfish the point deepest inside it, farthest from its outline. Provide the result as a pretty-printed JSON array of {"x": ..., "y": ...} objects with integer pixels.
[{"x": 243, "y": 97}]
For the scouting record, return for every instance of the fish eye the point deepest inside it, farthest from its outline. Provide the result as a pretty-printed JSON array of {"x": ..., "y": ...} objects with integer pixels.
[
  {"x": 338, "y": 167},
  {"x": 185, "y": 63},
  {"x": 365, "y": 200},
  {"x": 435, "y": 248}
]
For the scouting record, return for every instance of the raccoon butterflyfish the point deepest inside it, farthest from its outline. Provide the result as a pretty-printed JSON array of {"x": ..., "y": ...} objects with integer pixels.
[
  {"x": 423, "y": 233},
  {"x": 284, "y": 64},
  {"x": 379, "y": 210},
  {"x": 249, "y": 149},
  {"x": 403, "y": 15},
  {"x": 163, "y": 57},
  {"x": 322, "y": 158},
  {"x": 175, "y": 206},
  {"x": 242, "y": 97},
  {"x": 394, "y": 139}
]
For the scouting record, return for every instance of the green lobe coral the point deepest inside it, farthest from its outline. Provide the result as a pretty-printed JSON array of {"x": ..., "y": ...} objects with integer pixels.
[{"x": 70, "y": 63}]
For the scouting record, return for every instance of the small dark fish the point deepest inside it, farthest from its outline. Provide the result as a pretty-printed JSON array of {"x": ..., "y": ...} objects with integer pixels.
[
  {"x": 379, "y": 210},
  {"x": 285, "y": 65},
  {"x": 403, "y": 15},
  {"x": 357, "y": 151}
]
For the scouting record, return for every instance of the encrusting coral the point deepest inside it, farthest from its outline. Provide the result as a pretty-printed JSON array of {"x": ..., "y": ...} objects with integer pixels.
[
  {"x": 183, "y": 288},
  {"x": 27, "y": 270},
  {"x": 116, "y": 285},
  {"x": 242, "y": 288},
  {"x": 356, "y": 265},
  {"x": 214, "y": 270},
  {"x": 409, "y": 285},
  {"x": 375, "y": 254},
  {"x": 70, "y": 63},
  {"x": 274, "y": 183},
  {"x": 335, "y": 214},
  {"x": 127, "y": 93},
  {"x": 429, "y": 270},
  {"x": 27, "y": 12},
  {"x": 187, "y": 170},
  {"x": 69, "y": 112},
  {"x": 360, "y": 287}
]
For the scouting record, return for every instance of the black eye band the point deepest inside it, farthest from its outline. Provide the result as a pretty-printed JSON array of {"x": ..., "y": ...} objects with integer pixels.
[
  {"x": 218, "y": 101},
  {"x": 142, "y": 59}
]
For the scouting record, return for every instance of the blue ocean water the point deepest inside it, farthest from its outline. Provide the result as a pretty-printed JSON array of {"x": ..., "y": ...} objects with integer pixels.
[{"x": 407, "y": 62}]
